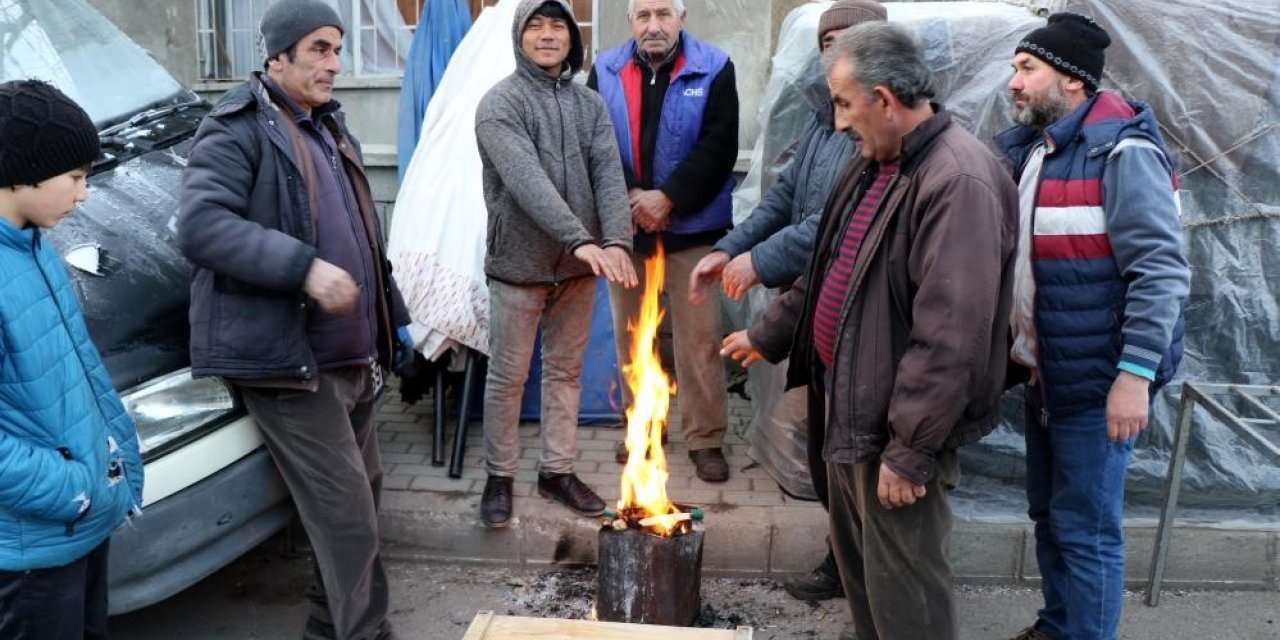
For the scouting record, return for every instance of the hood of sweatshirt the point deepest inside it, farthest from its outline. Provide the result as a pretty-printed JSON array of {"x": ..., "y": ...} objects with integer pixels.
[{"x": 577, "y": 53}]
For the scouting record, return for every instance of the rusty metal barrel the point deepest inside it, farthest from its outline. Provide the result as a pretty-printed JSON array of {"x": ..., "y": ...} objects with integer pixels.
[{"x": 649, "y": 579}]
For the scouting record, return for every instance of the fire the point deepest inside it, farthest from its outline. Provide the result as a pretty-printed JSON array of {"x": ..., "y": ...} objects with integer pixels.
[{"x": 644, "y": 479}]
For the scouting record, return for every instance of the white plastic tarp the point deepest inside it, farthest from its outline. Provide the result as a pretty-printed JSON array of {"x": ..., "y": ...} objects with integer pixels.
[{"x": 438, "y": 227}]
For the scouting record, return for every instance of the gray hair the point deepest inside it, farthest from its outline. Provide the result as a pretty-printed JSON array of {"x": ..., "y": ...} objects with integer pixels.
[
  {"x": 678, "y": 5},
  {"x": 885, "y": 55}
]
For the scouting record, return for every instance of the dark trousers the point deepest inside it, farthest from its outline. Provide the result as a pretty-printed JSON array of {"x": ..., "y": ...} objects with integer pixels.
[
  {"x": 894, "y": 562},
  {"x": 60, "y": 603},
  {"x": 326, "y": 448}
]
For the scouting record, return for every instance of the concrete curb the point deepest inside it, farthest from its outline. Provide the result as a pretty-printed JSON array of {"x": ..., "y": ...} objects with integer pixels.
[{"x": 782, "y": 540}]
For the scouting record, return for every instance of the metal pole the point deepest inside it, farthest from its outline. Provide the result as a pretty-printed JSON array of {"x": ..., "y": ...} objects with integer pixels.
[{"x": 1173, "y": 483}]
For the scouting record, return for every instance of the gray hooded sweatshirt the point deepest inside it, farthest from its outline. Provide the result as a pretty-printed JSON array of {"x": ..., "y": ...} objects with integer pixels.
[{"x": 553, "y": 177}]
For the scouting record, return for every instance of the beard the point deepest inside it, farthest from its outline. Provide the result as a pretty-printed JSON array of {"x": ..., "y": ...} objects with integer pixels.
[{"x": 1044, "y": 109}]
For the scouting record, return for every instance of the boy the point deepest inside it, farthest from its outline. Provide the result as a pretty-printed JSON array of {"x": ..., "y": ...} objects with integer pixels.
[{"x": 70, "y": 470}]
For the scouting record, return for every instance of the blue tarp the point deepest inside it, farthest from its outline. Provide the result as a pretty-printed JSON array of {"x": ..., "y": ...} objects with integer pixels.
[{"x": 441, "y": 27}]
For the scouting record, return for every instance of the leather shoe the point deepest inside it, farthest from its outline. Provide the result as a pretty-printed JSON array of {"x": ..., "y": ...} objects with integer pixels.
[
  {"x": 823, "y": 583},
  {"x": 495, "y": 503},
  {"x": 710, "y": 465},
  {"x": 571, "y": 492}
]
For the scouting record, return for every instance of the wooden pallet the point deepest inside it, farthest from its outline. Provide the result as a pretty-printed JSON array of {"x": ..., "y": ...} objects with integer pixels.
[{"x": 487, "y": 626}]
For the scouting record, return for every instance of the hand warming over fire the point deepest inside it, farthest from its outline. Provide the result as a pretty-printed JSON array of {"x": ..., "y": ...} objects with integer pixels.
[
  {"x": 895, "y": 491},
  {"x": 738, "y": 346},
  {"x": 612, "y": 262},
  {"x": 704, "y": 274}
]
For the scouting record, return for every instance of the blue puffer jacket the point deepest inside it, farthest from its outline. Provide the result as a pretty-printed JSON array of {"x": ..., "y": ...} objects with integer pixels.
[{"x": 70, "y": 470}]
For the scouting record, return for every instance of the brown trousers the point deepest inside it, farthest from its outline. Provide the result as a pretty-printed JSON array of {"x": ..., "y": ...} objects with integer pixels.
[
  {"x": 894, "y": 562},
  {"x": 326, "y": 448}
]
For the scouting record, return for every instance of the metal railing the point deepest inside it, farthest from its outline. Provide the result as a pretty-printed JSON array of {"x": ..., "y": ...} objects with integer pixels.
[{"x": 1242, "y": 408}]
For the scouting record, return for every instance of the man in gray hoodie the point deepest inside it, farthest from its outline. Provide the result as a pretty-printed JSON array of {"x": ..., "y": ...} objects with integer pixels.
[{"x": 558, "y": 217}]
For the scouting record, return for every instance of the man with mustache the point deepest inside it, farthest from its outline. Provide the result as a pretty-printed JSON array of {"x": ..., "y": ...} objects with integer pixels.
[
  {"x": 673, "y": 100},
  {"x": 1100, "y": 280},
  {"x": 292, "y": 299},
  {"x": 899, "y": 328}
]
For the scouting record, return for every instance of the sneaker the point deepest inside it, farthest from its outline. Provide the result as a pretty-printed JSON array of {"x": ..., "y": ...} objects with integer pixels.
[
  {"x": 819, "y": 584},
  {"x": 1032, "y": 633},
  {"x": 620, "y": 452},
  {"x": 495, "y": 503},
  {"x": 710, "y": 465},
  {"x": 569, "y": 491}
]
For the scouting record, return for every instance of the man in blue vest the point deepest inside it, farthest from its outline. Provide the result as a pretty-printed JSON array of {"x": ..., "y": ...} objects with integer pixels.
[
  {"x": 1099, "y": 284},
  {"x": 673, "y": 100}
]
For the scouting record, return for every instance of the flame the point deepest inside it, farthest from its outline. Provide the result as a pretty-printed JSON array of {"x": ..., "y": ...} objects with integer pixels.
[{"x": 644, "y": 479}]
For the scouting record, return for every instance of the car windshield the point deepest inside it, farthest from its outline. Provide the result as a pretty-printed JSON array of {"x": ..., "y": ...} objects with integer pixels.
[{"x": 70, "y": 45}]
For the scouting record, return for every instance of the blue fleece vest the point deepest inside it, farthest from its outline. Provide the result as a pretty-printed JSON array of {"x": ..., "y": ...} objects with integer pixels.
[
  {"x": 69, "y": 464},
  {"x": 1080, "y": 292},
  {"x": 681, "y": 122}
]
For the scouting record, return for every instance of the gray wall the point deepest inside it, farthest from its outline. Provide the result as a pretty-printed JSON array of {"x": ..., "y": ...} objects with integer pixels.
[{"x": 166, "y": 28}]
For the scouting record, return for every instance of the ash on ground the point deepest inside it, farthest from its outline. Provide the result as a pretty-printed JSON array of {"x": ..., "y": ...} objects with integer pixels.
[{"x": 726, "y": 603}]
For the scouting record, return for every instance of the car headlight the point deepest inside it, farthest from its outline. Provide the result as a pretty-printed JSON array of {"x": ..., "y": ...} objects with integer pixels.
[{"x": 175, "y": 409}]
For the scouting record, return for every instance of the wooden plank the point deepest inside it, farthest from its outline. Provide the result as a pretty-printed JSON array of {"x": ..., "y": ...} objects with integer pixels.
[
  {"x": 513, "y": 627},
  {"x": 479, "y": 626}
]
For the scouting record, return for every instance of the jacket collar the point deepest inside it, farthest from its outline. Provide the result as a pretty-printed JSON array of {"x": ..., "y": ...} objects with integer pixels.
[
  {"x": 21, "y": 239},
  {"x": 918, "y": 140},
  {"x": 1104, "y": 114}
]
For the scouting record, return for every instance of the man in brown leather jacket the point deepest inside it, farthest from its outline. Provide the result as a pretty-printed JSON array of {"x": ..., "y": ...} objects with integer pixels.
[{"x": 899, "y": 329}]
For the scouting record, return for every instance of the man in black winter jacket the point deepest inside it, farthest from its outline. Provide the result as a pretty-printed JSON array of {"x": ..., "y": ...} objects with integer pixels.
[{"x": 292, "y": 299}]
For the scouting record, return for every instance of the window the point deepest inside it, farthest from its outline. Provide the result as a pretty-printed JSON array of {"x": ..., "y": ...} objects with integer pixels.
[
  {"x": 378, "y": 36},
  {"x": 379, "y": 33}
]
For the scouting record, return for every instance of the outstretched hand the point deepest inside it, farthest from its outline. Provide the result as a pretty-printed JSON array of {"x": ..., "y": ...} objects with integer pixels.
[
  {"x": 738, "y": 346},
  {"x": 739, "y": 276},
  {"x": 614, "y": 263},
  {"x": 705, "y": 274}
]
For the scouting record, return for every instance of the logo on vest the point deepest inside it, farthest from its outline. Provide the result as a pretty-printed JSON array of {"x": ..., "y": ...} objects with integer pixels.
[{"x": 693, "y": 93}]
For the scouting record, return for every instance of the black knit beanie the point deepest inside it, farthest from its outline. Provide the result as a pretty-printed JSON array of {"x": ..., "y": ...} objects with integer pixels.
[
  {"x": 1072, "y": 44},
  {"x": 288, "y": 21},
  {"x": 43, "y": 133}
]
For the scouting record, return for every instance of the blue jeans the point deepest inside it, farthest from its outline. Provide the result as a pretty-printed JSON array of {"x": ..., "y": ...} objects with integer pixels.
[{"x": 1075, "y": 488}]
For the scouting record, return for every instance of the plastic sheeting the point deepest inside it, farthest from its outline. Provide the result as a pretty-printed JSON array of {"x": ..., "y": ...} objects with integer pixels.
[
  {"x": 437, "y": 236},
  {"x": 1212, "y": 73},
  {"x": 440, "y": 29}
]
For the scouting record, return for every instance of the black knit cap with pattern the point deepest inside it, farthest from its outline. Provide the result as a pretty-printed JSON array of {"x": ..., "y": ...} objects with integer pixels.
[
  {"x": 43, "y": 133},
  {"x": 1071, "y": 43}
]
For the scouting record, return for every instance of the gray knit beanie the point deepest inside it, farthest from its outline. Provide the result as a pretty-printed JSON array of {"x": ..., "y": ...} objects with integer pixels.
[
  {"x": 843, "y": 14},
  {"x": 288, "y": 21}
]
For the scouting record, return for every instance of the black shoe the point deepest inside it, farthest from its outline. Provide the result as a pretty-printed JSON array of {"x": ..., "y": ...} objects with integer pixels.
[
  {"x": 1032, "y": 633},
  {"x": 317, "y": 630},
  {"x": 569, "y": 491},
  {"x": 620, "y": 452},
  {"x": 495, "y": 504},
  {"x": 710, "y": 465},
  {"x": 816, "y": 585}
]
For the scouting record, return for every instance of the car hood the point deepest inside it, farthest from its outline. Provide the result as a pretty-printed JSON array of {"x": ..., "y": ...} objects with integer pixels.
[{"x": 135, "y": 304}]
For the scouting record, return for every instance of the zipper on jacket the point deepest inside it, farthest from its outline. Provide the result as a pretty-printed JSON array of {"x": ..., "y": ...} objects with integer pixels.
[
  {"x": 84, "y": 370},
  {"x": 1035, "y": 300},
  {"x": 564, "y": 175}
]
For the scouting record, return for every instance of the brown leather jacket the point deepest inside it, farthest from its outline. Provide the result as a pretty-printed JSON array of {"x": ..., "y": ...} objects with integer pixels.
[{"x": 923, "y": 343}]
